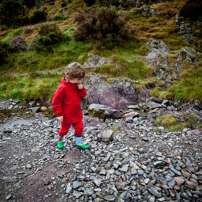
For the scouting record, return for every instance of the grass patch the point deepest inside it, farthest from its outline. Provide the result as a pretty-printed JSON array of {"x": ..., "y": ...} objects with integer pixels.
[
  {"x": 170, "y": 122},
  {"x": 120, "y": 67},
  {"x": 51, "y": 57},
  {"x": 30, "y": 87},
  {"x": 175, "y": 41},
  {"x": 188, "y": 88}
]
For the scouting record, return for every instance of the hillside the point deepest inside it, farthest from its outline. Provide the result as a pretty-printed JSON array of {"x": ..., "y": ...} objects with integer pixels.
[
  {"x": 39, "y": 69},
  {"x": 142, "y": 114}
]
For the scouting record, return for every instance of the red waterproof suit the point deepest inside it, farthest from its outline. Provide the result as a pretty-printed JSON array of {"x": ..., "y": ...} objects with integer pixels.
[{"x": 66, "y": 102}]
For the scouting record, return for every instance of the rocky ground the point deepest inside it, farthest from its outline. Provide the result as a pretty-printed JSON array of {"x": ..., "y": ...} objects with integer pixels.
[{"x": 128, "y": 161}]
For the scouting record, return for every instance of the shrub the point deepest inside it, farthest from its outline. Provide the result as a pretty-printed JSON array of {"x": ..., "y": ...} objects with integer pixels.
[
  {"x": 58, "y": 17},
  {"x": 18, "y": 43},
  {"x": 63, "y": 4},
  {"x": 29, "y": 3},
  {"x": 192, "y": 9},
  {"x": 21, "y": 21},
  {"x": 9, "y": 10},
  {"x": 3, "y": 53},
  {"x": 49, "y": 34},
  {"x": 89, "y": 2},
  {"x": 45, "y": 29},
  {"x": 103, "y": 24},
  {"x": 37, "y": 16},
  {"x": 28, "y": 30}
]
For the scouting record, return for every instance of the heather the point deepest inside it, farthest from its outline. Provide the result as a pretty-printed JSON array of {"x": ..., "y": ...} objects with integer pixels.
[
  {"x": 18, "y": 43},
  {"x": 71, "y": 29}
]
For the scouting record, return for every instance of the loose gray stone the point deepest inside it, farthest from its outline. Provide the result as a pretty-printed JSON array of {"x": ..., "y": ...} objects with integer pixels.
[
  {"x": 153, "y": 191},
  {"x": 76, "y": 184},
  {"x": 109, "y": 197},
  {"x": 68, "y": 189}
]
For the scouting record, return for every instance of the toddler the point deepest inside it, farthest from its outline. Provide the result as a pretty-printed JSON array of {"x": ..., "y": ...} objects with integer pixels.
[{"x": 66, "y": 104}]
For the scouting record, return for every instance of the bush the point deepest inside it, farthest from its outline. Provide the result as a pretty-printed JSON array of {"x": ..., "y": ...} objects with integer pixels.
[
  {"x": 49, "y": 34},
  {"x": 28, "y": 30},
  {"x": 21, "y": 21},
  {"x": 37, "y": 16},
  {"x": 3, "y": 53},
  {"x": 18, "y": 43},
  {"x": 103, "y": 24},
  {"x": 9, "y": 10},
  {"x": 29, "y": 3},
  {"x": 192, "y": 9},
  {"x": 89, "y": 2},
  {"x": 58, "y": 17},
  {"x": 63, "y": 4}
]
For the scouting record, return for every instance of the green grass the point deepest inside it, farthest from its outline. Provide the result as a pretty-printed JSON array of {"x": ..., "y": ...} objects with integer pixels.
[
  {"x": 175, "y": 41},
  {"x": 30, "y": 86},
  {"x": 120, "y": 67},
  {"x": 12, "y": 34},
  {"x": 42, "y": 86},
  {"x": 170, "y": 122},
  {"x": 188, "y": 88},
  {"x": 50, "y": 58}
]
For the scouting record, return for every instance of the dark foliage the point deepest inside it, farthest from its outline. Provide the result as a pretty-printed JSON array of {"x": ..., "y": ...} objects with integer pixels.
[
  {"x": 102, "y": 24},
  {"x": 63, "y": 4},
  {"x": 29, "y": 3},
  {"x": 21, "y": 21},
  {"x": 89, "y": 2},
  {"x": 192, "y": 9},
  {"x": 10, "y": 10},
  {"x": 37, "y": 16},
  {"x": 49, "y": 34},
  {"x": 5, "y": 49}
]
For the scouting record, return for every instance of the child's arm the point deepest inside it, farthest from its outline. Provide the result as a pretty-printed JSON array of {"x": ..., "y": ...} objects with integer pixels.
[
  {"x": 57, "y": 101},
  {"x": 82, "y": 91}
]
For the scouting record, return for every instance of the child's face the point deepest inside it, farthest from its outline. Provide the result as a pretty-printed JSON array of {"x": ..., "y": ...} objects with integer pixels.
[{"x": 76, "y": 80}]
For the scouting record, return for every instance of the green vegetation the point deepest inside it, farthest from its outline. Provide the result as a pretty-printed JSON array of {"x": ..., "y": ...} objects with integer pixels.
[
  {"x": 30, "y": 87},
  {"x": 12, "y": 34},
  {"x": 188, "y": 88},
  {"x": 53, "y": 49},
  {"x": 120, "y": 67},
  {"x": 170, "y": 122}
]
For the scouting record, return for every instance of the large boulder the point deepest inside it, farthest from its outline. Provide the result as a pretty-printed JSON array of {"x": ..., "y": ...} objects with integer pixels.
[
  {"x": 188, "y": 54},
  {"x": 118, "y": 94},
  {"x": 158, "y": 58},
  {"x": 159, "y": 45}
]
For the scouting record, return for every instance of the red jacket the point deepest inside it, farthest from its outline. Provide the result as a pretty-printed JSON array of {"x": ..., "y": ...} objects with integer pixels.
[{"x": 66, "y": 102}]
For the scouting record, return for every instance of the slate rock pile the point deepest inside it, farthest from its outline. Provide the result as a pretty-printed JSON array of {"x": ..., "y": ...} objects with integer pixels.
[{"x": 128, "y": 161}]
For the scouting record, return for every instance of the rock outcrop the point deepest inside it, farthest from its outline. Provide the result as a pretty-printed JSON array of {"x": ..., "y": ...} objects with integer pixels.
[{"x": 118, "y": 94}]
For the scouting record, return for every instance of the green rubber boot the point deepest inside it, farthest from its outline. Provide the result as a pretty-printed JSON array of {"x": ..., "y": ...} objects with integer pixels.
[
  {"x": 79, "y": 144},
  {"x": 83, "y": 146},
  {"x": 60, "y": 145}
]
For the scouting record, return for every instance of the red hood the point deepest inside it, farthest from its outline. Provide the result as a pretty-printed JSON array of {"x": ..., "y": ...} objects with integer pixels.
[{"x": 69, "y": 84}]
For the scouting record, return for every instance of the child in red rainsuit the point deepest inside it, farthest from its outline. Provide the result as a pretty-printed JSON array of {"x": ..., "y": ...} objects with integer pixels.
[{"x": 66, "y": 104}]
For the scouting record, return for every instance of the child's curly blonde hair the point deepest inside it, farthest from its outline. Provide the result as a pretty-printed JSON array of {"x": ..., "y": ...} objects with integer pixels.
[{"x": 74, "y": 70}]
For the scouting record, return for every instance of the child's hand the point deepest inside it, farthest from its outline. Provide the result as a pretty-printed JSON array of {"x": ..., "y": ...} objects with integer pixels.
[
  {"x": 80, "y": 87},
  {"x": 60, "y": 118}
]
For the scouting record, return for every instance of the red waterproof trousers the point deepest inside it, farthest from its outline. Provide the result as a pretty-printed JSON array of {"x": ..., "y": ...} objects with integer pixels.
[{"x": 65, "y": 128}]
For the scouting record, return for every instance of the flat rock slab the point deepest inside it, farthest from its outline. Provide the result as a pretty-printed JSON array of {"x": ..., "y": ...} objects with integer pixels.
[{"x": 103, "y": 111}]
